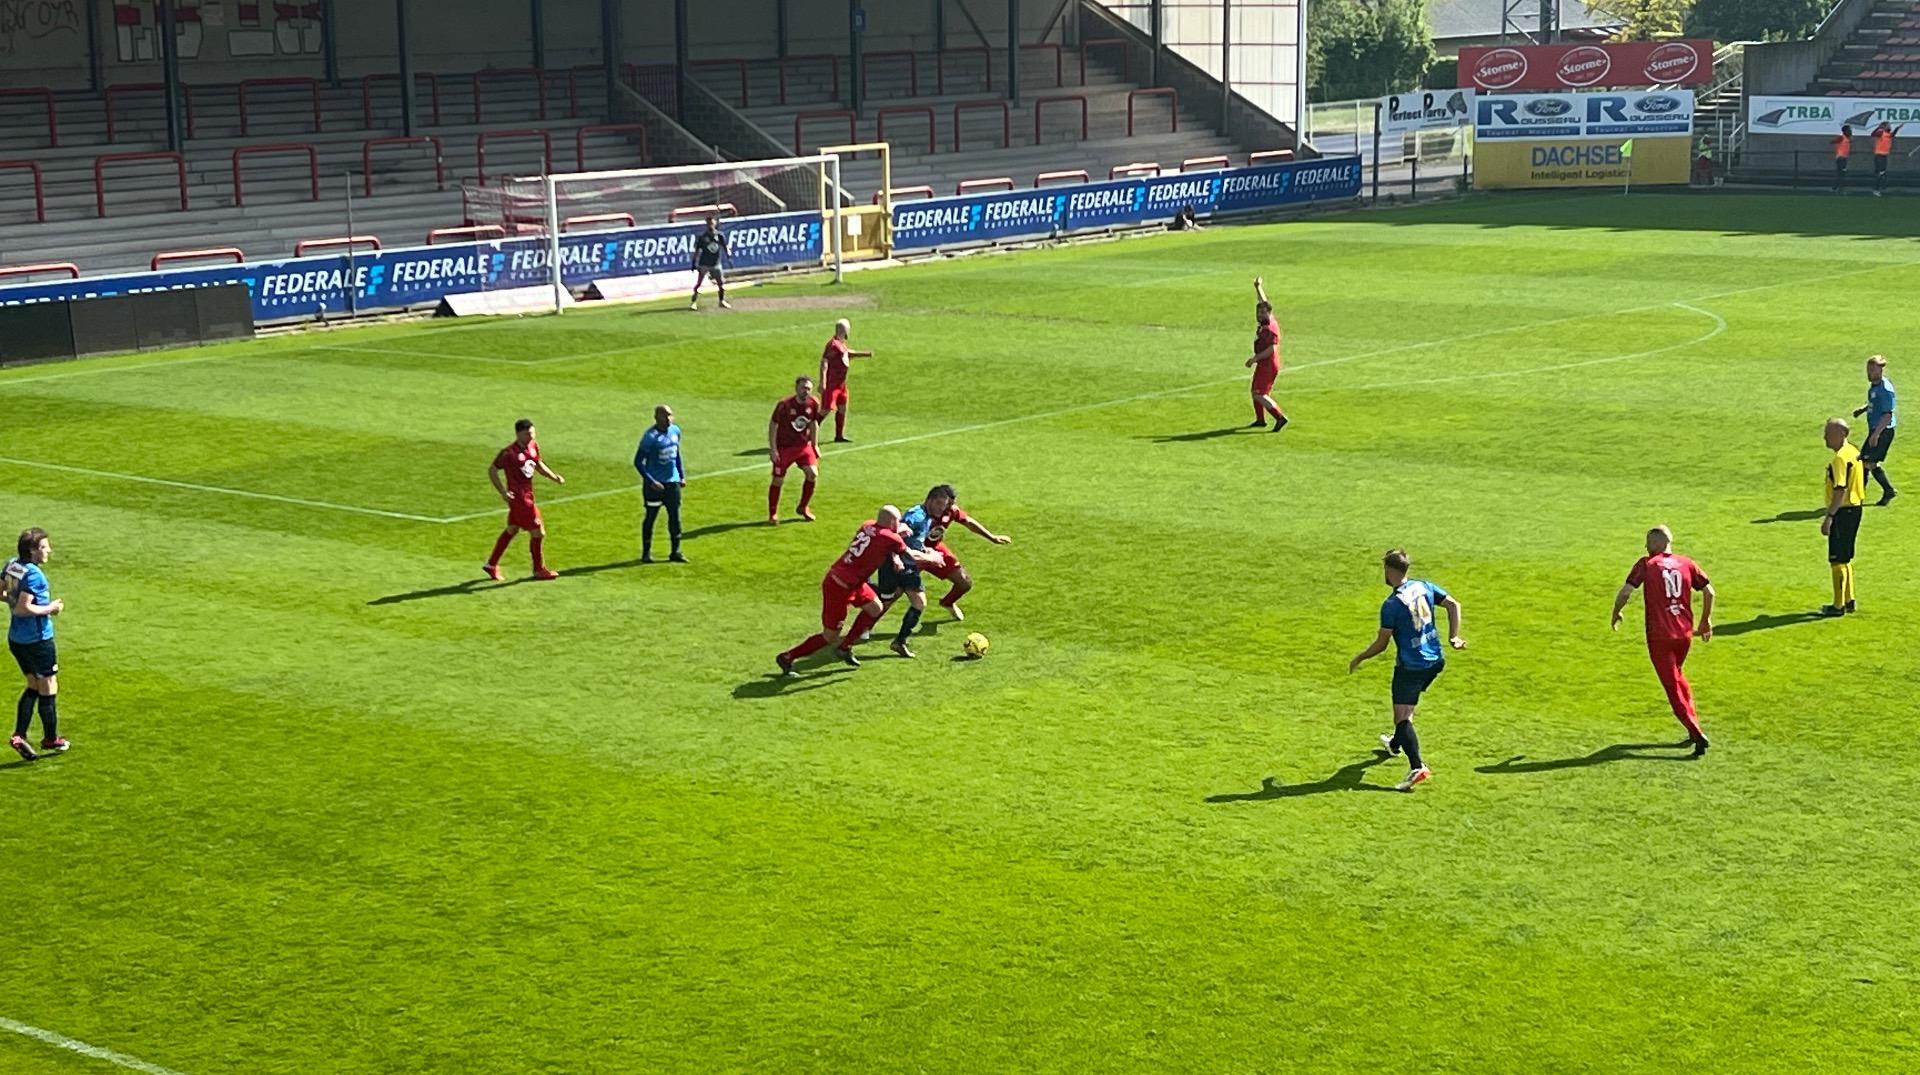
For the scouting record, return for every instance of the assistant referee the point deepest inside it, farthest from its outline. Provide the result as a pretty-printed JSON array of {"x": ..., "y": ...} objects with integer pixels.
[{"x": 1846, "y": 485}]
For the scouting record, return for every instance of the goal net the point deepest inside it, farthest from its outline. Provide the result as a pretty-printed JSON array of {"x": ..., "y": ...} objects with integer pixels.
[{"x": 570, "y": 230}]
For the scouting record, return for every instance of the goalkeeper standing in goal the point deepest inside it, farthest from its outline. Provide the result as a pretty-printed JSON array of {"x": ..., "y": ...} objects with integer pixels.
[{"x": 708, "y": 248}]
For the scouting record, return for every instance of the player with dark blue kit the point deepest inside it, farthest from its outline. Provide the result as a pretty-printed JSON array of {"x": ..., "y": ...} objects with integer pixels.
[
  {"x": 31, "y": 608},
  {"x": 1406, "y": 619}
]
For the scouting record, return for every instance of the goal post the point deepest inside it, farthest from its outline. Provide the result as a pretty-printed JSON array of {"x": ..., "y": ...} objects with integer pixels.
[{"x": 667, "y": 203}]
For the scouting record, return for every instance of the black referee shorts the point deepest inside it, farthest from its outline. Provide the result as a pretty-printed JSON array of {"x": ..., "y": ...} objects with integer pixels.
[
  {"x": 1876, "y": 453},
  {"x": 1841, "y": 538}
]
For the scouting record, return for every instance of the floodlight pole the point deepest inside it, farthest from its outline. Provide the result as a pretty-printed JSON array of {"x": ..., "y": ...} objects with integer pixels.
[
  {"x": 680, "y": 57},
  {"x": 1300, "y": 79},
  {"x": 537, "y": 19},
  {"x": 170, "y": 73},
  {"x": 1226, "y": 66},
  {"x": 1013, "y": 52},
  {"x": 408, "y": 104}
]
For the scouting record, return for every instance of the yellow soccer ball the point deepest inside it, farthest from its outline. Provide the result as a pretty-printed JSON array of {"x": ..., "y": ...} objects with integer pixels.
[{"x": 976, "y": 645}]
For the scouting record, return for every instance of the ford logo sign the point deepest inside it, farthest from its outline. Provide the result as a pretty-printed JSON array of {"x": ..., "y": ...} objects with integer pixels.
[
  {"x": 1548, "y": 107},
  {"x": 1657, "y": 104}
]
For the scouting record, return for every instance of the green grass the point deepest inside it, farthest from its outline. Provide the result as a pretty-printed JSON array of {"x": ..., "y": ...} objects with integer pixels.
[{"x": 335, "y": 809}]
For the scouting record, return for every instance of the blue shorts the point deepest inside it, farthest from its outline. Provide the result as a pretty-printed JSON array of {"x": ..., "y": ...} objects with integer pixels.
[
  {"x": 892, "y": 580},
  {"x": 1409, "y": 682}
]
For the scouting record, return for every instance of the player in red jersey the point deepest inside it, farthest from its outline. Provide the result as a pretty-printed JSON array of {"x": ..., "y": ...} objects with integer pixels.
[
  {"x": 1265, "y": 362},
  {"x": 1671, "y": 580},
  {"x": 793, "y": 438},
  {"x": 520, "y": 461},
  {"x": 833, "y": 376},
  {"x": 845, "y": 586}
]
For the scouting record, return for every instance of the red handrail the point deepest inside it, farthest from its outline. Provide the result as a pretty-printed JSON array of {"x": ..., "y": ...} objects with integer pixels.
[
  {"x": 1126, "y": 56},
  {"x": 118, "y": 88},
  {"x": 313, "y": 89},
  {"x": 810, "y": 58},
  {"x": 998, "y": 182},
  {"x": 194, "y": 255},
  {"x": 1039, "y": 104},
  {"x": 475, "y": 232},
  {"x": 1173, "y": 99},
  {"x": 1006, "y": 121},
  {"x": 539, "y": 85},
  {"x": 46, "y": 97},
  {"x": 1059, "y": 70},
  {"x": 573, "y": 86},
  {"x": 1070, "y": 173},
  {"x": 39, "y": 185},
  {"x": 480, "y": 147},
  {"x": 439, "y": 157},
  {"x": 313, "y": 165},
  {"x": 702, "y": 210},
  {"x": 1269, "y": 155},
  {"x": 68, "y": 267},
  {"x": 880, "y": 123},
  {"x": 913, "y": 68},
  {"x": 580, "y": 141},
  {"x": 1217, "y": 161},
  {"x": 738, "y": 64},
  {"x": 802, "y": 117},
  {"x": 100, "y": 181},
  {"x": 300, "y": 248},
  {"x": 366, "y": 94},
  {"x": 1119, "y": 170},
  {"x": 923, "y": 191},
  {"x": 940, "y": 66},
  {"x": 598, "y": 218}
]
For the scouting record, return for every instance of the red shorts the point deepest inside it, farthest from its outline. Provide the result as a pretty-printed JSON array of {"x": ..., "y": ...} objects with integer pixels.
[
  {"x": 805, "y": 455},
  {"x": 836, "y": 598},
  {"x": 832, "y": 399},
  {"x": 949, "y": 563},
  {"x": 1263, "y": 380},
  {"x": 523, "y": 514}
]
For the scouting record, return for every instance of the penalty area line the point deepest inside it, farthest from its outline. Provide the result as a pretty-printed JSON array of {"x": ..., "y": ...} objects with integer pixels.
[{"x": 61, "y": 1041}]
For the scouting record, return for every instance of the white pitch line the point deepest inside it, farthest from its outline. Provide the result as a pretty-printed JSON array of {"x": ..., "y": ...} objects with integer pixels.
[
  {"x": 198, "y": 488},
  {"x": 630, "y": 349},
  {"x": 61, "y": 1041}
]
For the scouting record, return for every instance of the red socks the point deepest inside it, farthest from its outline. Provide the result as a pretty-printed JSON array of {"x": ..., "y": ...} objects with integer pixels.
[
  {"x": 953, "y": 595},
  {"x": 500, "y": 548},
  {"x": 861, "y": 624},
  {"x": 773, "y": 500},
  {"x": 806, "y": 496},
  {"x": 534, "y": 541},
  {"x": 1259, "y": 411},
  {"x": 813, "y": 644},
  {"x": 840, "y": 422}
]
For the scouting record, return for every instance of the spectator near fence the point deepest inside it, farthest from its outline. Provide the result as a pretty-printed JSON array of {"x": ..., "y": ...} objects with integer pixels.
[{"x": 1842, "y": 149}]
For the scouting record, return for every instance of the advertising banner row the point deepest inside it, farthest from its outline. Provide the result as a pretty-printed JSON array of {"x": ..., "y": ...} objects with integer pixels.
[
  {"x": 1582, "y": 139},
  {"x": 1584, "y": 66},
  {"x": 1825, "y": 115},
  {"x": 1583, "y": 115},
  {"x": 1038, "y": 213},
  {"x": 1591, "y": 162},
  {"x": 336, "y": 284}
]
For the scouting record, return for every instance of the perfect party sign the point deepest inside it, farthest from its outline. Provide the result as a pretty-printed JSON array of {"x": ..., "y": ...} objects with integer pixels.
[
  {"x": 1125, "y": 202},
  {"x": 304, "y": 287}
]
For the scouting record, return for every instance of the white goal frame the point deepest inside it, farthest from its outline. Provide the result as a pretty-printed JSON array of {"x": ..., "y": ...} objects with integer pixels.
[{"x": 831, "y": 215}]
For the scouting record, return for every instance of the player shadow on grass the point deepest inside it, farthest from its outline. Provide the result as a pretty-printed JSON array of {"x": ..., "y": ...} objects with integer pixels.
[
  {"x": 1793, "y": 516},
  {"x": 1606, "y": 754},
  {"x": 1189, "y": 438},
  {"x": 1765, "y": 621},
  {"x": 775, "y": 685},
  {"x": 721, "y": 528},
  {"x": 1346, "y": 778},
  {"x": 480, "y": 586}
]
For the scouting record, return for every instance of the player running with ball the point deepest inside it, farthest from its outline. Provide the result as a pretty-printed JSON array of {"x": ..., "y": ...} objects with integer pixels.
[
  {"x": 1265, "y": 362},
  {"x": 845, "y": 586}
]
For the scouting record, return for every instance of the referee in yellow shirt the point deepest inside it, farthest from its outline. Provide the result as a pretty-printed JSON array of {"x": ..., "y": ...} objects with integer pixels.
[{"x": 1846, "y": 484}]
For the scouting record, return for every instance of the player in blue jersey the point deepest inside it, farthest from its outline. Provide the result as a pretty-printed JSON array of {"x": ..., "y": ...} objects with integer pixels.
[
  {"x": 1880, "y": 426},
  {"x": 1406, "y": 619},
  {"x": 31, "y": 609},
  {"x": 925, "y": 527}
]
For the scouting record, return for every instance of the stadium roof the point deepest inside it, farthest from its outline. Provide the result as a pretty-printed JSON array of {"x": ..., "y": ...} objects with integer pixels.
[{"x": 1454, "y": 19}]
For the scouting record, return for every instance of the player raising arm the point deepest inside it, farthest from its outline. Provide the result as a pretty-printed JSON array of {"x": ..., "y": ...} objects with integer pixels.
[
  {"x": 834, "y": 362},
  {"x": 520, "y": 461},
  {"x": 931, "y": 519},
  {"x": 1265, "y": 361},
  {"x": 1406, "y": 619},
  {"x": 1670, "y": 626}
]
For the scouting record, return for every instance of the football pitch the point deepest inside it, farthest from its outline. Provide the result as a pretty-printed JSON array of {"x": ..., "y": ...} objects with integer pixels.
[{"x": 337, "y": 805}]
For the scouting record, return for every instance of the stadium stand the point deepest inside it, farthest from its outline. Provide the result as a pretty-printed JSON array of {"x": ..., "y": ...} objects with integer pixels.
[{"x": 252, "y": 172}]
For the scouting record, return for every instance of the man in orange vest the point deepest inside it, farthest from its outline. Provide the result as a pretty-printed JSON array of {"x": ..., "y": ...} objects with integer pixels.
[
  {"x": 1882, "y": 149},
  {"x": 1842, "y": 149}
]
